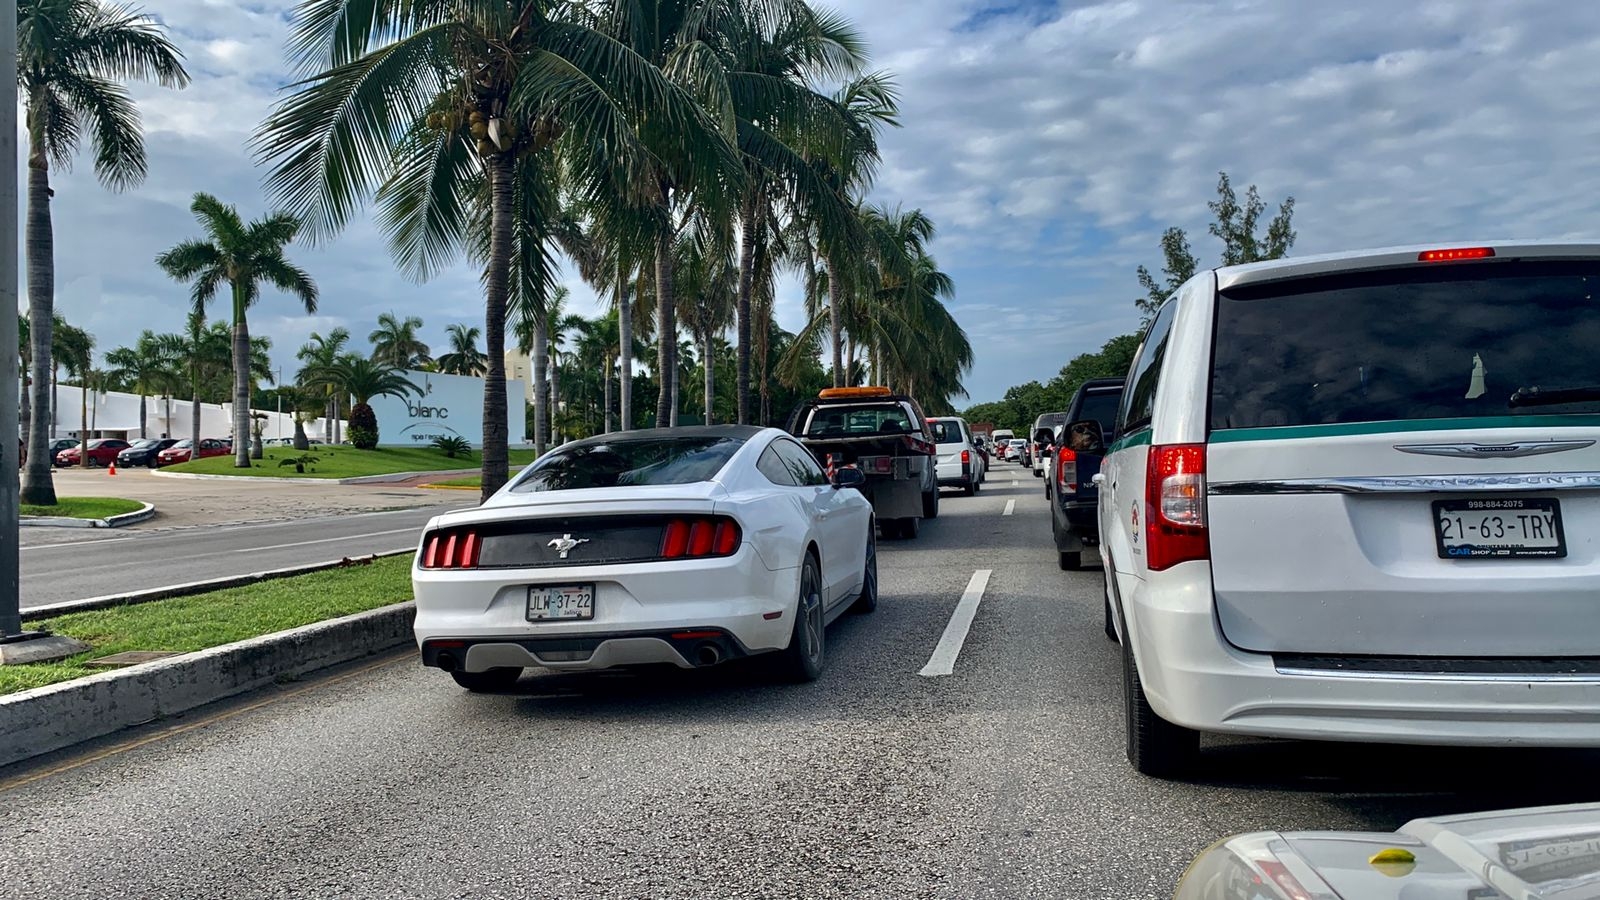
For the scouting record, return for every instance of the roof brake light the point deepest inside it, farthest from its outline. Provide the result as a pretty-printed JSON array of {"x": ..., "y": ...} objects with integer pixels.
[{"x": 1454, "y": 255}]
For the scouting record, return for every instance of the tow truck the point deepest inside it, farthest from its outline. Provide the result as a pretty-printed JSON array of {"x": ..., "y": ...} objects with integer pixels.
[{"x": 886, "y": 436}]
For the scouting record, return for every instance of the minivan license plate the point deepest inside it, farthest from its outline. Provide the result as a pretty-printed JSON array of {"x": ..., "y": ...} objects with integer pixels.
[
  {"x": 575, "y": 601},
  {"x": 1499, "y": 528}
]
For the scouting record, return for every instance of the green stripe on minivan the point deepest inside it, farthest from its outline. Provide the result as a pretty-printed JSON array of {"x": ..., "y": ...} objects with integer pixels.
[
  {"x": 1347, "y": 429},
  {"x": 1136, "y": 439}
]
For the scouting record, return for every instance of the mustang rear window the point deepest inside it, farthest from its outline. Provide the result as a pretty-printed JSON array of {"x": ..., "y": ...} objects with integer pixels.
[
  {"x": 628, "y": 463},
  {"x": 1464, "y": 341}
]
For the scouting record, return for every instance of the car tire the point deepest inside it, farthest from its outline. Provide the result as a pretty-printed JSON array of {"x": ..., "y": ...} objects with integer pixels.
[
  {"x": 488, "y": 681},
  {"x": 971, "y": 488},
  {"x": 802, "y": 660},
  {"x": 1070, "y": 561},
  {"x": 868, "y": 600},
  {"x": 910, "y": 528},
  {"x": 930, "y": 504},
  {"x": 1156, "y": 747}
]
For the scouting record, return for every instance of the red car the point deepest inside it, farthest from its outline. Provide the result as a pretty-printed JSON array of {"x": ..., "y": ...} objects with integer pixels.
[
  {"x": 182, "y": 451},
  {"x": 102, "y": 452}
]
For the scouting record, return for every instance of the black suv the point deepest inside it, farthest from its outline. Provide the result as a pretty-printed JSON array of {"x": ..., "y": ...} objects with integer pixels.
[{"x": 1074, "y": 500}]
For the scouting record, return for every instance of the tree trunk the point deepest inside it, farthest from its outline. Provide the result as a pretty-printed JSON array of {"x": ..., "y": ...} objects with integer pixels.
[
  {"x": 555, "y": 390},
  {"x": 83, "y": 423},
  {"x": 301, "y": 442},
  {"x": 666, "y": 328},
  {"x": 541, "y": 387},
  {"x": 143, "y": 417},
  {"x": 241, "y": 381},
  {"x": 709, "y": 363},
  {"x": 25, "y": 409},
  {"x": 835, "y": 336},
  {"x": 327, "y": 420},
  {"x": 624, "y": 347},
  {"x": 747, "y": 277},
  {"x": 497, "y": 282},
  {"x": 37, "y": 486},
  {"x": 605, "y": 377}
]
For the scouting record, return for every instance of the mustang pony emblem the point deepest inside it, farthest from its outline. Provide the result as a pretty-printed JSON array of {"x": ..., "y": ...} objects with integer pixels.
[{"x": 565, "y": 544}]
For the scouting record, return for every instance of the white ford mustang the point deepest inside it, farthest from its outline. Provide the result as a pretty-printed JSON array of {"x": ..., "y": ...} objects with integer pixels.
[{"x": 688, "y": 546}]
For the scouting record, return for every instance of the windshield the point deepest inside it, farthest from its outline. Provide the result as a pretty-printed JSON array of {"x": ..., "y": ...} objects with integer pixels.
[
  {"x": 629, "y": 463},
  {"x": 945, "y": 431},
  {"x": 181, "y": 445},
  {"x": 1445, "y": 343},
  {"x": 1101, "y": 406},
  {"x": 145, "y": 444},
  {"x": 880, "y": 418}
]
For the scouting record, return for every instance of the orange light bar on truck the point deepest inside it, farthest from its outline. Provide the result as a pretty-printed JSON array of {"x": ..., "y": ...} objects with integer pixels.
[
  {"x": 847, "y": 393},
  {"x": 1453, "y": 255}
]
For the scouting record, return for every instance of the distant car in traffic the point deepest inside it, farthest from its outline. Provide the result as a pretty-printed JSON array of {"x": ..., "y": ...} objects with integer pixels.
[
  {"x": 1002, "y": 443},
  {"x": 684, "y": 546},
  {"x": 102, "y": 452},
  {"x": 143, "y": 452},
  {"x": 1074, "y": 497},
  {"x": 1017, "y": 450},
  {"x": 960, "y": 464},
  {"x": 1352, "y": 497},
  {"x": 1042, "y": 446},
  {"x": 183, "y": 451}
]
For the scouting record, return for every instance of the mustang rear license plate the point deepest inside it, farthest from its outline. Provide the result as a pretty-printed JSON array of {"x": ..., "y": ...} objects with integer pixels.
[
  {"x": 1499, "y": 528},
  {"x": 568, "y": 601}
]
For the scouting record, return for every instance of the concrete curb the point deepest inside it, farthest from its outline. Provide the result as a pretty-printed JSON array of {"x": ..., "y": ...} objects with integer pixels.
[
  {"x": 359, "y": 479},
  {"x": 44, "y": 719},
  {"x": 35, "y": 613},
  {"x": 133, "y": 518}
]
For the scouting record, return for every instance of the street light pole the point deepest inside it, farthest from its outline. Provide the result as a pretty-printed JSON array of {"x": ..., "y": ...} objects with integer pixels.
[{"x": 10, "y": 381}]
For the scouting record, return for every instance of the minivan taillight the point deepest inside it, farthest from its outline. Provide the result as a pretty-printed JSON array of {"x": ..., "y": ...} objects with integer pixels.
[
  {"x": 1175, "y": 509},
  {"x": 1067, "y": 471},
  {"x": 697, "y": 538},
  {"x": 456, "y": 549}
]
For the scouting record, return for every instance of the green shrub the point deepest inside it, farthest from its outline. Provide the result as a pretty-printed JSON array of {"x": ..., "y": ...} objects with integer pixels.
[
  {"x": 363, "y": 430},
  {"x": 299, "y": 462},
  {"x": 452, "y": 447}
]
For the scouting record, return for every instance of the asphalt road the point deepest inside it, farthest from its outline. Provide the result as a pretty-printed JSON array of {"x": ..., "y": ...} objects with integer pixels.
[
  {"x": 75, "y": 563},
  {"x": 1005, "y": 779}
]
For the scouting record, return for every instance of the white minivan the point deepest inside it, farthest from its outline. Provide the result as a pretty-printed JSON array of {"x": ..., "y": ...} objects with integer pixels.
[
  {"x": 959, "y": 463},
  {"x": 1357, "y": 497}
]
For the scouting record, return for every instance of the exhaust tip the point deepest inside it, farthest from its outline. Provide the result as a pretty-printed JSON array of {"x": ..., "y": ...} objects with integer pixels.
[
  {"x": 448, "y": 662},
  {"x": 708, "y": 654}
]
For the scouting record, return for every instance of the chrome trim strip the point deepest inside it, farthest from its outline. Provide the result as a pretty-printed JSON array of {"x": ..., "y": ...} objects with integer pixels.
[
  {"x": 1412, "y": 484},
  {"x": 1436, "y": 676},
  {"x": 1513, "y": 450}
]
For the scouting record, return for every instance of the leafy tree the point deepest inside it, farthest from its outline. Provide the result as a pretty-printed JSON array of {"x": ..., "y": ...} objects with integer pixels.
[
  {"x": 242, "y": 257},
  {"x": 72, "y": 57},
  {"x": 464, "y": 357},
  {"x": 395, "y": 342},
  {"x": 362, "y": 379},
  {"x": 325, "y": 351},
  {"x": 1235, "y": 225}
]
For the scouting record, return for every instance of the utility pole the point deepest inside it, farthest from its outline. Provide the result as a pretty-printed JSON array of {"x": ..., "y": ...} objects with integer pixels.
[{"x": 16, "y": 645}]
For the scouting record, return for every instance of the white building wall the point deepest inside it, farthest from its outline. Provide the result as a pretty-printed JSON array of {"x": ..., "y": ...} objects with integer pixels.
[{"x": 116, "y": 414}]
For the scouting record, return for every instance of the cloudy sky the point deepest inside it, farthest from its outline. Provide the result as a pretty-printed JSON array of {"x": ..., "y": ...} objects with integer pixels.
[{"x": 1051, "y": 142}]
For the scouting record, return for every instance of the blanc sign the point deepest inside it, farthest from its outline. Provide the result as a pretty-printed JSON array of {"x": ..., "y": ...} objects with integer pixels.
[{"x": 449, "y": 406}]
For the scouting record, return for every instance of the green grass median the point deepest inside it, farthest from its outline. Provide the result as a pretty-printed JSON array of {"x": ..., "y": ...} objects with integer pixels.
[
  {"x": 84, "y": 507},
  {"x": 342, "y": 462},
  {"x": 202, "y": 621}
]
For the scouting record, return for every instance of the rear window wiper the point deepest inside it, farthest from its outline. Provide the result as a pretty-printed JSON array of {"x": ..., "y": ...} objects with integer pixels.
[{"x": 1536, "y": 397}]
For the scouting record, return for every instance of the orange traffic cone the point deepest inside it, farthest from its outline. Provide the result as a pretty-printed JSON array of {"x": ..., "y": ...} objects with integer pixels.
[{"x": 113, "y": 469}]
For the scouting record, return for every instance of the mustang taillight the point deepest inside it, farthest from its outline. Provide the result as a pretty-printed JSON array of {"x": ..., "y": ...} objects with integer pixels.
[
  {"x": 454, "y": 549},
  {"x": 1067, "y": 471},
  {"x": 700, "y": 537},
  {"x": 1175, "y": 513}
]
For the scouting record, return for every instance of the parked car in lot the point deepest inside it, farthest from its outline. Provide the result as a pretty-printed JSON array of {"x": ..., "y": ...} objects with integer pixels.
[
  {"x": 102, "y": 452},
  {"x": 1074, "y": 498},
  {"x": 684, "y": 546},
  {"x": 1549, "y": 852},
  {"x": 1353, "y": 497},
  {"x": 960, "y": 462},
  {"x": 183, "y": 451},
  {"x": 60, "y": 444},
  {"x": 1042, "y": 446},
  {"x": 143, "y": 452}
]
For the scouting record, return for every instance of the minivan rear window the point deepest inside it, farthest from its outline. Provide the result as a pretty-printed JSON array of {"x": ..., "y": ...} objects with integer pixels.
[
  {"x": 629, "y": 462},
  {"x": 1416, "y": 343}
]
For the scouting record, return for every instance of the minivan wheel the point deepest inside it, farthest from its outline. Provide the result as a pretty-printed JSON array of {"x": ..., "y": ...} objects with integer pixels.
[
  {"x": 1156, "y": 747},
  {"x": 1069, "y": 562},
  {"x": 488, "y": 681}
]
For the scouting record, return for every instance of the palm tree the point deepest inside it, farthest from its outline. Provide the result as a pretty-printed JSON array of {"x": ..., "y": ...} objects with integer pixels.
[
  {"x": 362, "y": 379},
  {"x": 143, "y": 366},
  {"x": 76, "y": 348},
  {"x": 447, "y": 111},
  {"x": 25, "y": 352},
  {"x": 395, "y": 342},
  {"x": 72, "y": 57},
  {"x": 242, "y": 257},
  {"x": 324, "y": 351},
  {"x": 464, "y": 357}
]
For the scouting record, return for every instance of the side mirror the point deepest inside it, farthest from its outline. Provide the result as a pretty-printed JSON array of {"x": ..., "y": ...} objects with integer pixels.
[
  {"x": 1086, "y": 436},
  {"x": 849, "y": 476}
]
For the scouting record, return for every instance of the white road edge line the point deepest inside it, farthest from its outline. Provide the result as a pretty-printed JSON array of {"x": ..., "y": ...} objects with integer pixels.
[
  {"x": 943, "y": 660},
  {"x": 332, "y": 540},
  {"x": 1011, "y": 507}
]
